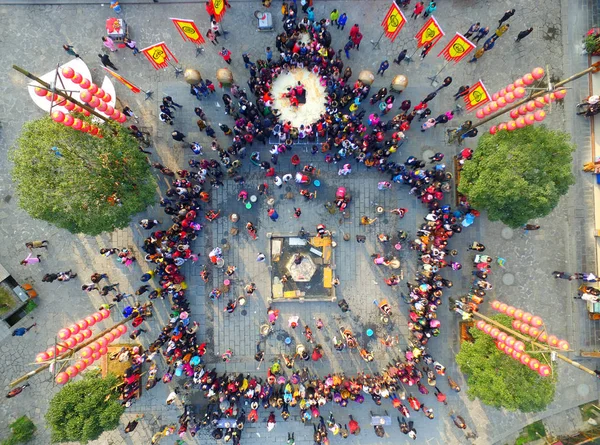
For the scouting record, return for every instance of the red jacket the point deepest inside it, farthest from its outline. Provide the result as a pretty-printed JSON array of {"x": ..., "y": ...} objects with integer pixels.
[
  {"x": 419, "y": 8},
  {"x": 355, "y": 30}
]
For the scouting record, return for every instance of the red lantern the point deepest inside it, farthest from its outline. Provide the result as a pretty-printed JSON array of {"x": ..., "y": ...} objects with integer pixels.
[
  {"x": 109, "y": 110},
  {"x": 94, "y": 102},
  {"x": 94, "y": 346},
  {"x": 70, "y": 342},
  {"x": 502, "y": 307},
  {"x": 80, "y": 365},
  {"x": 60, "y": 349},
  {"x": 563, "y": 344},
  {"x": 40, "y": 91},
  {"x": 540, "y": 102},
  {"x": 534, "y": 332},
  {"x": 93, "y": 130},
  {"x": 510, "y": 341},
  {"x": 51, "y": 351},
  {"x": 493, "y": 107},
  {"x": 529, "y": 119},
  {"x": 72, "y": 371},
  {"x": 534, "y": 364},
  {"x": 62, "y": 378},
  {"x": 528, "y": 79},
  {"x": 508, "y": 350},
  {"x": 122, "y": 329},
  {"x": 105, "y": 313},
  {"x": 510, "y": 88},
  {"x": 525, "y": 328},
  {"x": 548, "y": 98},
  {"x": 500, "y": 345},
  {"x": 102, "y": 342},
  {"x": 41, "y": 357},
  {"x": 494, "y": 332},
  {"x": 519, "y": 84},
  {"x": 64, "y": 333},
  {"x": 519, "y": 92},
  {"x": 501, "y": 102},
  {"x": 537, "y": 73},
  {"x": 510, "y": 97},
  {"x": 511, "y": 125},
  {"x": 545, "y": 370},
  {"x": 96, "y": 355},
  {"x": 77, "y": 123},
  {"x": 539, "y": 115},
  {"x": 479, "y": 113},
  {"x": 553, "y": 340},
  {"x": 100, "y": 93},
  {"x": 91, "y": 320},
  {"x": 519, "y": 314},
  {"x": 560, "y": 94},
  {"x": 82, "y": 324},
  {"x": 494, "y": 130},
  {"x": 101, "y": 106},
  {"x": 516, "y": 324},
  {"x": 79, "y": 337},
  {"x": 514, "y": 114},
  {"x": 77, "y": 78},
  {"x": 502, "y": 92},
  {"x": 521, "y": 122},
  {"x": 116, "y": 115},
  {"x": 85, "y": 83},
  {"x": 522, "y": 110},
  {"x": 543, "y": 337},
  {"x": 122, "y": 118},
  {"x": 516, "y": 355},
  {"x": 103, "y": 351},
  {"x": 74, "y": 329},
  {"x": 525, "y": 359},
  {"x": 510, "y": 311},
  {"x": 487, "y": 328},
  {"x": 495, "y": 96},
  {"x": 87, "y": 333},
  {"x": 502, "y": 336},
  {"x": 109, "y": 337},
  {"x": 107, "y": 97},
  {"x": 85, "y": 127},
  {"x": 502, "y": 126},
  {"x": 85, "y": 96},
  {"x": 116, "y": 333},
  {"x": 68, "y": 72},
  {"x": 519, "y": 346},
  {"x": 97, "y": 316},
  {"x": 530, "y": 105},
  {"x": 88, "y": 361},
  {"x": 526, "y": 317},
  {"x": 536, "y": 321}
]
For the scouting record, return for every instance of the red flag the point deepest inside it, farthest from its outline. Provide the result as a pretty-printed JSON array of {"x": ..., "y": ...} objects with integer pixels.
[
  {"x": 188, "y": 30},
  {"x": 430, "y": 32},
  {"x": 476, "y": 96},
  {"x": 220, "y": 8},
  {"x": 393, "y": 22},
  {"x": 159, "y": 55},
  {"x": 124, "y": 81},
  {"x": 457, "y": 48}
]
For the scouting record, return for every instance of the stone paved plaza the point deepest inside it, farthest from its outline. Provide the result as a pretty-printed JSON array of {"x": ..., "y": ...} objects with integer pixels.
[{"x": 32, "y": 38}]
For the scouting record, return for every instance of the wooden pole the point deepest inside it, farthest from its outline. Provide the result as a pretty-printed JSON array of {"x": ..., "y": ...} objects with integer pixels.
[
  {"x": 48, "y": 87},
  {"x": 539, "y": 345},
  {"x": 67, "y": 354},
  {"x": 592, "y": 69}
]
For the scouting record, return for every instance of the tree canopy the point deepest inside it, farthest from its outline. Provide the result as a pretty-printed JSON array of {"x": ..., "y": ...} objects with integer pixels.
[
  {"x": 79, "y": 182},
  {"x": 82, "y": 410},
  {"x": 500, "y": 381},
  {"x": 518, "y": 175}
]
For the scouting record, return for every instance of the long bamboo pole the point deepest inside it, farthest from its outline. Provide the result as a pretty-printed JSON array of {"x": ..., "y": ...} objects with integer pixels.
[
  {"x": 67, "y": 354},
  {"x": 594, "y": 68},
  {"x": 529, "y": 340}
]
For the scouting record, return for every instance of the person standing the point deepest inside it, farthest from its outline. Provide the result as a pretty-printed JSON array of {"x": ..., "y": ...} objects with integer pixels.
[
  {"x": 382, "y": 67},
  {"x": 105, "y": 60},
  {"x": 418, "y": 10},
  {"x": 507, "y": 15},
  {"x": 226, "y": 55},
  {"x": 354, "y": 30},
  {"x": 109, "y": 43},
  {"x": 37, "y": 245},
  {"x": 168, "y": 102},
  {"x": 430, "y": 9},
  {"x": 481, "y": 33},
  {"x": 426, "y": 49},
  {"x": 477, "y": 54},
  {"x": 462, "y": 91},
  {"x": 523, "y": 34},
  {"x": 401, "y": 56},
  {"x": 273, "y": 214},
  {"x": 348, "y": 46},
  {"x": 178, "y": 136},
  {"x": 131, "y": 45},
  {"x": 212, "y": 37},
  {"x": 472, "y": 30},
  {"x": 502, "y": 30},
  {"x": 269, "y": 54},
  {"x": 334, "y": 16},
  {"x": 247, "y": 61},
  {"x": 341, "y": 23},
  {"x": 356, "y": 40},
  {"x": 70, "y": 51},
  {"x": 31, "y": 260}
]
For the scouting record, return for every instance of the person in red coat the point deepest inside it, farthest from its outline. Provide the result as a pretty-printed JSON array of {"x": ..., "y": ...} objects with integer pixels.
[
  {"x": 356, "y": 40},
  {"x": 354, "y": 30}
]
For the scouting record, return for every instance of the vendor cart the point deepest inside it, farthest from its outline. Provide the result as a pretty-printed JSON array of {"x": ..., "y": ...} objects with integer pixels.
[{"x": 117, "y": 30}]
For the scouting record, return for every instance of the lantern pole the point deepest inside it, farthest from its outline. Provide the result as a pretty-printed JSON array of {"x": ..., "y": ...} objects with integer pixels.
[
  {"x": 434, "y": 78},
  {"x": 376, "y": 44},
  {"x": 48, "y": 87},
  {"x": 67, "y": 354},
  {"x": 594, "y": 68},
  {"x": 533, "y": 342}
]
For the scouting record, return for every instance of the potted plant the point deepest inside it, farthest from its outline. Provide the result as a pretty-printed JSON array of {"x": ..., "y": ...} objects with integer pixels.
[{"x": 591, "y": 42}]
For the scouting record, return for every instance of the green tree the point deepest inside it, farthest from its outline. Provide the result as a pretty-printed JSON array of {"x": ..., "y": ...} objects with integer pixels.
[
  {"x": 91, "y": 185},
  {"x": 518, "y": 175},
  {"x": 82, "y": 410},
  {"x": 500, "y": 381},
  {"x": 22, "y": 430}
]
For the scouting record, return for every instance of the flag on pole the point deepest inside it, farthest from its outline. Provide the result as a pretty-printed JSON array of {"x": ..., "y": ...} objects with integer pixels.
[
  {"x": 393, "y": 22},
  {"x": 124, "y": 81},
  {"x": 430, "y": 32},
  {"x": 219, "y": 7},
  {"x": 476, "y": 96},
  {"x": 159, "y": 55},
  {"x": 457, "y": 48},
  {"x": 188, "y": 30}
]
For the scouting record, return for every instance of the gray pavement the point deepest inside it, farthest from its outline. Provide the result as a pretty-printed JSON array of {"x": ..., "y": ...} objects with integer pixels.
[{"x": 35, "y": 35}]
